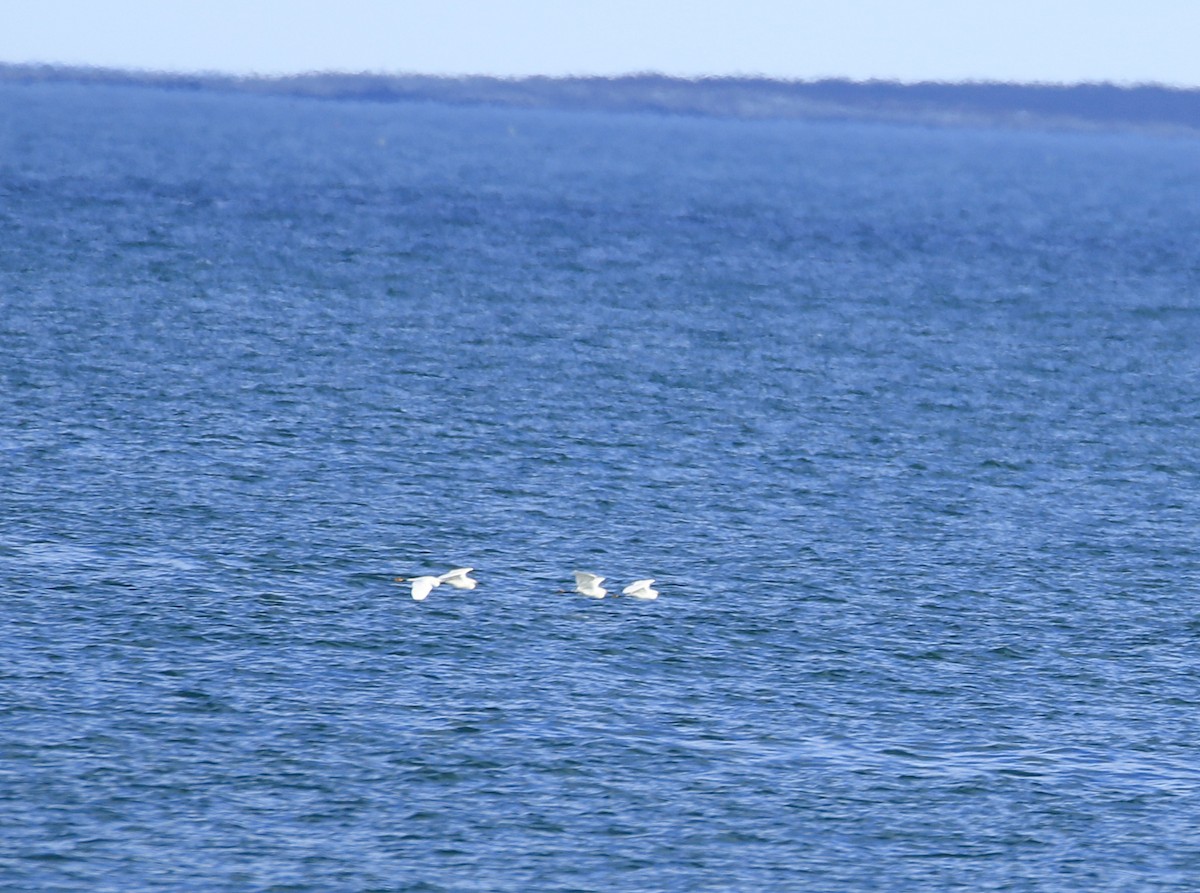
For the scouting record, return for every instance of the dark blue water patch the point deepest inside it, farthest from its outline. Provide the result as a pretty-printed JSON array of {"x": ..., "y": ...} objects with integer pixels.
[{"x": 900, "y": 420}]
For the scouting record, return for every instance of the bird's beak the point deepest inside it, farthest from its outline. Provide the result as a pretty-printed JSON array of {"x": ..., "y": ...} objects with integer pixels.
[{"x": 400, "y": 580}]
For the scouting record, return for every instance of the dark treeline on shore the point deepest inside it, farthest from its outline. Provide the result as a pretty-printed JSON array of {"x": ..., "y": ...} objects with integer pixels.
[{"x": 1097, "y": 106}]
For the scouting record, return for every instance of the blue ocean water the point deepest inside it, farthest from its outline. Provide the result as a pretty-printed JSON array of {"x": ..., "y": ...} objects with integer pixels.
[{"x": 903, "y": 421}]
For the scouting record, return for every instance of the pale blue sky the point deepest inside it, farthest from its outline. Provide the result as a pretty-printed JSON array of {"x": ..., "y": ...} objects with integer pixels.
[{"x": 1023, "y": 40}]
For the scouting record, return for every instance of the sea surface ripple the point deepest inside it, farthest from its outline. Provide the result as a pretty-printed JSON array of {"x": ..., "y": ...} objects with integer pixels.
[{"x": 903, "y": 421}]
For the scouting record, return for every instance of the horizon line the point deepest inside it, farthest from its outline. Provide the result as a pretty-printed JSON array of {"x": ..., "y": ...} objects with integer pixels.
[{"x": 137, "y": 71}]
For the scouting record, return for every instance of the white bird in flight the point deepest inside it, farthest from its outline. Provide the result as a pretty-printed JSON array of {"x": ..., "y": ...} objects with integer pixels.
[
  {"x": 589, "y": 585},
  {"x": 422, "y": 586},
  {"x": 640, "y": 589},
  {"x": 458, "y": 578}
]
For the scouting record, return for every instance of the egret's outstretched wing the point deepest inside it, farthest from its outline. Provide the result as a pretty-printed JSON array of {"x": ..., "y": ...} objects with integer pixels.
[
  {"x": 589, "y": 585},
  {"x": 458, "y": 578},
  {"x": 641, "y": 589},
  {"x": 422, "y": 586}
]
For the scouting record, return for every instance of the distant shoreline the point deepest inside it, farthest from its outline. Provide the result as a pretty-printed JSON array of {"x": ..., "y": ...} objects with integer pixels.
[{"x": 1026, "y": 106}]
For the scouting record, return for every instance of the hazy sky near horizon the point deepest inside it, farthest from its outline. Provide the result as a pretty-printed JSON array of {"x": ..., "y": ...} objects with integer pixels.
[{"x": 1056, "y": 41}]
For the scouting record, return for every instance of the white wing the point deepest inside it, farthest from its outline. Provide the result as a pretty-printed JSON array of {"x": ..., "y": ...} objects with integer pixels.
[
  {"x": 641, "y": 589},
  {"x": 458, "y": 578},
  {"x": 422, "y": 586},
  {"x": 583, "y": 578}
]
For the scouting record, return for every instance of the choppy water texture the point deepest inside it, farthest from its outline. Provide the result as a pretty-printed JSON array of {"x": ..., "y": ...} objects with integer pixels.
[{"x": 903, "y": 421}]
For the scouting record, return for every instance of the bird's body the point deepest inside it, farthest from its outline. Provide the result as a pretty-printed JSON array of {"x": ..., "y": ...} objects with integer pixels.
[
  {"x": 458, "y": 578},
  {"x": 641, "y": 589},
  {"x": 589, "y": 585}
]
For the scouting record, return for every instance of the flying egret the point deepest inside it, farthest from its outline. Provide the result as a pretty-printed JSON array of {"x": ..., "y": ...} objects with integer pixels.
[
  {"x": 422, "y": 586},
  {"x": 641, "y": 589},
  {"x": 589, "y": 585},
  {"x": 458, "y": 578}
]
